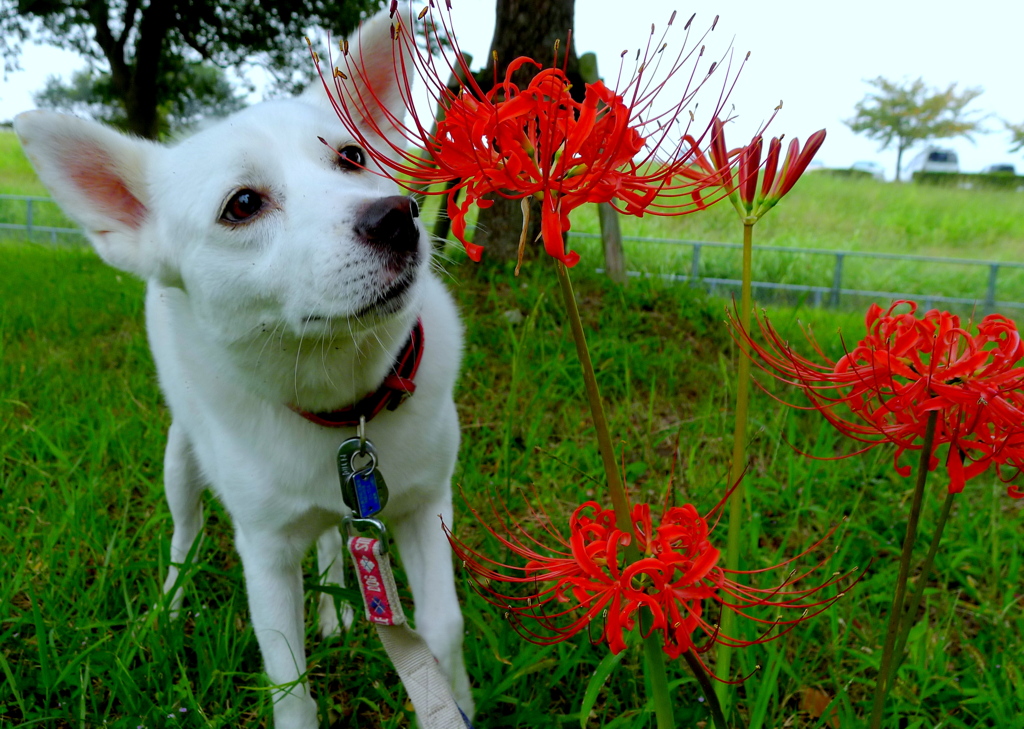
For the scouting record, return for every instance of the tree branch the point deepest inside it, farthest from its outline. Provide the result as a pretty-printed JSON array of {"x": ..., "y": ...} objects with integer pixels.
[{"x": 113, "y": 50}]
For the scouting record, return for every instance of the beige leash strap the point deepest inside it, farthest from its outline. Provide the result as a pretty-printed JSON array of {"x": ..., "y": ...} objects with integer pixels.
[{"x": 424, "y": 681}]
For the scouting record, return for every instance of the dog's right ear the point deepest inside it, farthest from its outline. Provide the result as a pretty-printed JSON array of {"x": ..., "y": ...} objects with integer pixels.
[
  {"x": 98, "y": 176},
  {"x": 379, "y": 78}
]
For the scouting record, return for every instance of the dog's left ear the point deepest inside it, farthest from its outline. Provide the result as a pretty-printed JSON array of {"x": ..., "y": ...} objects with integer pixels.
[
  {"x": 98, "y": 176},
  {"x": 378, "y": 77}
]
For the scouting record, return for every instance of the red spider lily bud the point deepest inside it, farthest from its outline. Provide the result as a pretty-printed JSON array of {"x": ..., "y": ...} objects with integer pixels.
[
  {"x": 720, "y": 155},
  {"x": 770, "y": 164},
  {"x": 775, "y": 183},
  {"x": 750, "y": 162},
  {"x": 907, "y": 367},
  {"x": 796, "y": 162},
  {"x": 677, "y": 578}
]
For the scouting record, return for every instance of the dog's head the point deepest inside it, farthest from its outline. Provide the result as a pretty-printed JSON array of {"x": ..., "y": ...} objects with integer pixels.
[{"x": 255, "y": 218}]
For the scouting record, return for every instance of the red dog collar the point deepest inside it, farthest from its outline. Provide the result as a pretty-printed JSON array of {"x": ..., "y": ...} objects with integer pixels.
[{"x": 397, "y": 386}]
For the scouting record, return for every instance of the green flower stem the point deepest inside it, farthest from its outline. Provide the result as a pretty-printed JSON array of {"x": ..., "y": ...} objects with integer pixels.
[
  {"x": 657, "y": 675},
  {"x": 709, "y": 691},
  {"x": 915, "y": 599},
  {"x": 882, "y": 684},
  {"x": 620, "y": 501},
  {"x": 739, "y": 446}
]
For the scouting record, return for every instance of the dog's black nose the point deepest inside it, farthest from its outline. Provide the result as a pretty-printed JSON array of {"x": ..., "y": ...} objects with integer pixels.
[{"x": 389, "y": 223}]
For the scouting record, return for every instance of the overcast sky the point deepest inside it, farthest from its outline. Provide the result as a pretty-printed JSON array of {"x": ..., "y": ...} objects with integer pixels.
[{"x": 812, "y": 55}]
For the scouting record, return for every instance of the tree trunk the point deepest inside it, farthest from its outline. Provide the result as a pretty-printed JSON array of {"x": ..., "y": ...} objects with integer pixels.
[
  {"x": 524, "y": 28},
  {"x": 141, "y": 100}
]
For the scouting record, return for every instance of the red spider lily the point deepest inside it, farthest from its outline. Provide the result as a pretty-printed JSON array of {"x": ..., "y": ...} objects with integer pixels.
[
  {"x": 908, "y": 367},
  {"x": 676, "y": 578},
  {"x": 535, "y": 142},
  {"x": 741, "y": 185}
]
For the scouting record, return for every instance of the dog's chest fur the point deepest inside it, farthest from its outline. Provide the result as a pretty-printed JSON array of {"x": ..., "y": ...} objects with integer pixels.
[{"x": 267, "y": 463}]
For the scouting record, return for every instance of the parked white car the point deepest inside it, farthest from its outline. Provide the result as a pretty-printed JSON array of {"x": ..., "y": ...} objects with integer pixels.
[
  {"x": 932, "y": 159},
  {"x": 872, "y": 168}
]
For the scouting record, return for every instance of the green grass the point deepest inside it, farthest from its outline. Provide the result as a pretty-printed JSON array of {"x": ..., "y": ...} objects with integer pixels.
[
  {"x": 85, "y": 534},
  {"x": 821, "y": 212},
  {"x": 19, "y": 178},
  {"x": 831, "y": 213},
  {"x": 863, "y": 215}
]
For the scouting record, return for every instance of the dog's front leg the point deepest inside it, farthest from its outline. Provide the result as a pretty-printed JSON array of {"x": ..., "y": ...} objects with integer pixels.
[
  {"x": 183, "y": 487},
  {"x": 273, "y": 580},
  {"x": 427, "y": 558},
  {"x": 331, "y": 564}
]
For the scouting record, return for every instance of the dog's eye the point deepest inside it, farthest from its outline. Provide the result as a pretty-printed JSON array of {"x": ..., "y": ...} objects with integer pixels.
[
  {"x": 351, "y": 157},
  {"x": 242, "y": 206}
]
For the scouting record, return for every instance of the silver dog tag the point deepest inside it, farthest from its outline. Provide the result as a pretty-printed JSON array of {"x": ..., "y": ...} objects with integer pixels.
[{"x": 362, "y": 486}]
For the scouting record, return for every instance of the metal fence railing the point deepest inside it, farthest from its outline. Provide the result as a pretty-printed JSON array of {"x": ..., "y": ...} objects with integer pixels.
[
  {"x": 833, "y": 294},
  {"x": 34, "y": 225},
  {"x": 39, "y": 212}
]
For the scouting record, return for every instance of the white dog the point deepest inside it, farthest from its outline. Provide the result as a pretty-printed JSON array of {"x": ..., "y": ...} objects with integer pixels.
[{"x": 281, "y": 278}]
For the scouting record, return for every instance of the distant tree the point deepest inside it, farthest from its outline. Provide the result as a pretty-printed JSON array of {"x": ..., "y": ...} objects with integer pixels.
[
  {"x": 905, "y": 114},
  {"x": 189, "y": 91},
  {"x": 1016, "y": 136},
  {"x": 134, "y": 41}
]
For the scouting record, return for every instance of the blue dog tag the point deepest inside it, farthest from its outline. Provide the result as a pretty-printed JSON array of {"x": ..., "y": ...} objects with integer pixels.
[{"x": 368, "y": 500}]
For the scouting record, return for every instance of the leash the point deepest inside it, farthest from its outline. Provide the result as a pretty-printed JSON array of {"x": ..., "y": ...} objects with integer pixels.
[{"x": 365, "y": 493}]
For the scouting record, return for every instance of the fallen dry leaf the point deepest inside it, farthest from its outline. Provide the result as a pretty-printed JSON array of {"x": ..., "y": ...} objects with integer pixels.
[{"x": 816, "y": 702}]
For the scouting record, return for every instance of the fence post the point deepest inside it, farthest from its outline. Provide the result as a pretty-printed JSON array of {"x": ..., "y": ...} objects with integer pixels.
[
  {"x": 611, "y": 233},
  {"x": 990, "y": 294},
  {"x": 611, "y": 239},
  {"x": 28, "y": 217},
  {"x": 837, "y": 280},
  {"x": 695, "y": 266}
]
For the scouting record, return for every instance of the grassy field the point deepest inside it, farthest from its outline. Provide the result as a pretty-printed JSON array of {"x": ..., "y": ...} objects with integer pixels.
[
  {"x": 85, "y": 534},
  {"x": 19, "y": 178},
  {"x": 833, "y": 213},
  {"x": 823, "y": 212}
]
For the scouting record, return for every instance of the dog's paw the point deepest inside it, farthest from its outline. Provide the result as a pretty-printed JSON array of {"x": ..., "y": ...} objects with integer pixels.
[
  {"x": 330, "y": 625},
  {"x": 174, "y": 594}
]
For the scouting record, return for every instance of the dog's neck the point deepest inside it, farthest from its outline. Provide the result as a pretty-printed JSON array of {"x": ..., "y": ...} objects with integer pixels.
[{"x": 321, "y": 373}]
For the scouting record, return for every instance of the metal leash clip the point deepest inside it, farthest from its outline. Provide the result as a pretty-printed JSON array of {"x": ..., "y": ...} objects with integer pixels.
[
  {"x": 374, "y": 526},
  {"x": 362, "y": 486}
]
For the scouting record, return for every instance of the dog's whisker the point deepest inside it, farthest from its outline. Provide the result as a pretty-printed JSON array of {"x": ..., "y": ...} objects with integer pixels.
[
  {"x": 266, "y": 341},
  {"x": 437, "y": 266},
  {"x": 324, "y": 348},
  {"x": 302, "y": 338}
]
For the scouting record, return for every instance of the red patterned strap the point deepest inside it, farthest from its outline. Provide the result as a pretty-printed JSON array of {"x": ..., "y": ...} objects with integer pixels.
[
  {"x": 395, "y": 389},
  {"x": 376, "y": 583}
]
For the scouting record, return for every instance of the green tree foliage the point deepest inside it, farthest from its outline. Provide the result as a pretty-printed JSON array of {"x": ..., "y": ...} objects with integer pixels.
[
  {"x": 135, "y": 42},
  {"x": 908, "y": 113},
  {"x": 1016, "y": 135},
  {"x": 189, "y": 91}
]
